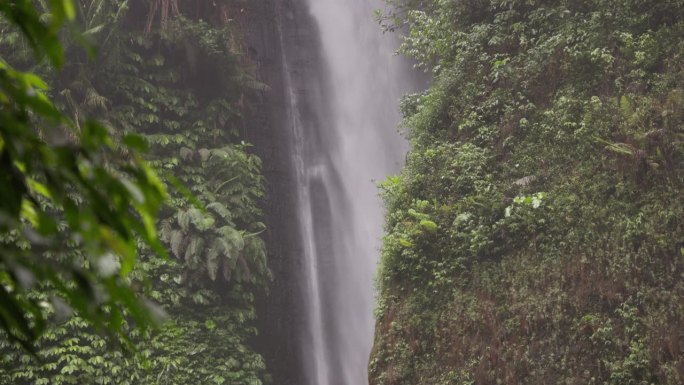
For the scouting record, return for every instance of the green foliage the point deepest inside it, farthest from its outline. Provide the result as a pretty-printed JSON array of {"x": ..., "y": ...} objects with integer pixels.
[
  {"x": 178, "y": 88},
  {"x": 66, "y": 184},
  {"x": 548, "y": 155}
]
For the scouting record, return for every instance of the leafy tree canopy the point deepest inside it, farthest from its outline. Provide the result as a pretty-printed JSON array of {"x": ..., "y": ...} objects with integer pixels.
[
  {"x": 175, "y": 73},
  {"x": 66, "y": 184}
]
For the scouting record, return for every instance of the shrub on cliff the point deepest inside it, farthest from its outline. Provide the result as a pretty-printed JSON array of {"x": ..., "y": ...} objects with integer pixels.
[{"x": 548, "y": 155}]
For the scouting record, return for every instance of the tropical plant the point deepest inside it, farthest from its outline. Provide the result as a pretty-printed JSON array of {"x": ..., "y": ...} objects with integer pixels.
[
  {"x": 65, "y": 184},
  {"x": 181, "y": 86},
  {"x": 548, "y": 153}
]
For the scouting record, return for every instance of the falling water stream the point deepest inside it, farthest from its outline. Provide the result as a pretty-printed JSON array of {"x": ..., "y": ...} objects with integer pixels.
[{"x": 339, "y": 158}]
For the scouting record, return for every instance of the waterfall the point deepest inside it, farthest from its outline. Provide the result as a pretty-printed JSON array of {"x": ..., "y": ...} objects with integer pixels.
[{"x": 345, "y": 140}]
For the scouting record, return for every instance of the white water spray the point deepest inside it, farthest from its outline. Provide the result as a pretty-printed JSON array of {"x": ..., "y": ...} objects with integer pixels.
[{"x": 340, "y": 213}]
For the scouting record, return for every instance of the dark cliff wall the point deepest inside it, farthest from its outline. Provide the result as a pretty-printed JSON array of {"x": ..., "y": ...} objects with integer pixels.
[
  {"x": 268, "y": 129},
  {"x": 283, "y": 43}
]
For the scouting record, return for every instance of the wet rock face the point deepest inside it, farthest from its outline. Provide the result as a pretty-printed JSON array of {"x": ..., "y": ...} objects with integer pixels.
[
  {"x": 266, "y": 128},
  {"x": 323, "y": 134},
  {"x": 280, "y": 36}
]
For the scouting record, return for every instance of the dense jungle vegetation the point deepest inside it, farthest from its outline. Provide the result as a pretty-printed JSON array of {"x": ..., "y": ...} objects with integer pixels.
[
  {"x": 108, "y": 108},
  {"x": 536, "y": 234}
]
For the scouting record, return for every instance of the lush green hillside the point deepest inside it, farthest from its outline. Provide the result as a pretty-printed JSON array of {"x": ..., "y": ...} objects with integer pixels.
[
  {"x": 536, "y": 234},
  {"x": 175, "y": 73}
]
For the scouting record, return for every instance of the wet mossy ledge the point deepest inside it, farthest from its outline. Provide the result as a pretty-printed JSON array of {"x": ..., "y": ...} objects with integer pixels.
[{"x": 536, "y": 233}]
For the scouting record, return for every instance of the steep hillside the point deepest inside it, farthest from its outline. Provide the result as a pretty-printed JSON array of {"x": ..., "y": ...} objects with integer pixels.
[{"x": 536, "y": 234}]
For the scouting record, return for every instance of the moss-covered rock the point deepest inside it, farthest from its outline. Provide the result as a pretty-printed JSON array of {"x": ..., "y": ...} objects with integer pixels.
[{"x": 548, "y": 154}]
